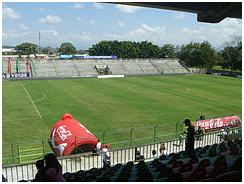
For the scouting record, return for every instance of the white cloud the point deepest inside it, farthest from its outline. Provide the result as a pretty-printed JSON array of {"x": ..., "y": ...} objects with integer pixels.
[
  {"x": 50, "y": 19},
  {"x": 180, "y": 15},
  {"x": 9, "y": 13},
  {"x": 92, "y": 21},
  {"x": 148, "y": 28},
  {"x": 9, "y": 34},
  {"x": 98, "y": 6},
  {"x": 216, "y": 34},
  {"x": 22, "y": 26},
  {"x": 127, "y": 9},
  {"x": 49, "y": 33},
  {"x": 79, "y": 19},
  {"x": 12, "y": 37},
  {"x": 121, "y": 24},
  {"x": 142, "y": 33},
  {"x": 77, "y": 5},
  {"x": 81, "y": 37}
]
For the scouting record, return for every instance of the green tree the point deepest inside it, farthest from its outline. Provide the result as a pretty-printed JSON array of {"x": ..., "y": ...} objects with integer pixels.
[
  {"x": 49, "y": 50},
  {"x": 232, "y": 58},
  {"x": 207, "y": 55},
  {"x": 67, "y": 48},
  {"x": 148, "y": 50},
  {"x": 232, "y": 54},
  {"x": 198, "y": 55},
  {"x": 126, "y": 49},
  {"x": 168, "y": 50},
  {"x": 26, "y": 49}
]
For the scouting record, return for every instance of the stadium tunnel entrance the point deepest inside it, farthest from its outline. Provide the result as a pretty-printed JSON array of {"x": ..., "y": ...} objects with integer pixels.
[{"x": 69, "y": 137}]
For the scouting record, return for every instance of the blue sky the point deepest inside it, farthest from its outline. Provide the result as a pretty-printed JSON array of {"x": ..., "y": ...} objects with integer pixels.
[{"x": 86, "y": 23}]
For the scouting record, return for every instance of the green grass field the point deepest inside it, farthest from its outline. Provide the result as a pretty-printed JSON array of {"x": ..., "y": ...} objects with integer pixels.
[{"x": 31, "y": 108}]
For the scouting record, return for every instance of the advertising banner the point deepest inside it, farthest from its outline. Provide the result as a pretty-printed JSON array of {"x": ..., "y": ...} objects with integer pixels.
[
  {"x": 217, "y": 123},
  {"x": 66, "y": 56},
  {"x": 97, "y": 57}
]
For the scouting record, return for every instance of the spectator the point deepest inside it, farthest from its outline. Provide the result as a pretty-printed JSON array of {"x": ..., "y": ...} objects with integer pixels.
[
  {"x": 202, "y": 117},
  {"x": 98, "y": 148},
  {"x": 199, "y": 133},
  {"x": 53, "y": 169},
  {"x": 4, "y": 179},
  {"x": 106, "y": 156},
  {"x": 40, "y": 175},
  {"x": 189, "y": 149},
  {"x": 154, "y": 154},
  {"x": 162, "y": 149},
  {"x": 139, "y": 157},
  {"x": 226, "y": 133}
]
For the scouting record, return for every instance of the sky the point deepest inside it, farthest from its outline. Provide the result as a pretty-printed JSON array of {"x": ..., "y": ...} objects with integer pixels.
[{"x": 86, "y": 23}]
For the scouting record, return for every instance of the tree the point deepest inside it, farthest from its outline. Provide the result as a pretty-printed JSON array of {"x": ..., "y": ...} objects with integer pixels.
[
  {"x": 168, "y": 51},
  {"x": 126, "y": 49},
  {"x": 232, "y": 58},
  {"x": 49, "y": 50},
  {"x": 232, "y": 54},
  {"x": 27, "y": 49},
  {"x": 198, "y": 55},
  {"x": 67, "y": 48},
  {"x": 207, "y": 55}
]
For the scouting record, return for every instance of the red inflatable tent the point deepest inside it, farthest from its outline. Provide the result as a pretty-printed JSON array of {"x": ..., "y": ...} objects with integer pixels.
[{"x": 69, "y": 136}]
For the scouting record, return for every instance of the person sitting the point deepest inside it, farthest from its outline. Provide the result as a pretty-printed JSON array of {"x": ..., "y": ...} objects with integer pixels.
[
  {"x": 40, "y": 175},
  {"x": 53, "y": 169},
  {"x": 162, "y": 149},
  {"x": 199, "y": 134},
  {"x": 139, "y": 157},
  {"x": 4, "y": 179},
  {"x": 98, "y": 148},
  {"x": 154, "y": 154},
  {"x": 202, "y": 117}
]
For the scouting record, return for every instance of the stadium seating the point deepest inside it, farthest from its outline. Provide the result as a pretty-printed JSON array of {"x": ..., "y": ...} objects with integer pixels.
[
  {"x": 85, "y": 68},
  {"x": 176, "y": 167}
]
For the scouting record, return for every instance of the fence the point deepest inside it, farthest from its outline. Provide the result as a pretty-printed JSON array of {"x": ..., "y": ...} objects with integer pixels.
[
  {"x": 31, "y": 151},
  {"x": 75, "y": 163}
]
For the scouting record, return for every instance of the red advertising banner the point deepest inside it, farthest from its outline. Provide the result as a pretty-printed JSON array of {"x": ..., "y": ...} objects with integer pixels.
[
  {"x": 69, "y": 134},
  {"x": 216, "y": 123}
]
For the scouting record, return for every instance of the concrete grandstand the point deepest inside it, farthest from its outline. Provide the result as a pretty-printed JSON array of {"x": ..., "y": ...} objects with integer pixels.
[{"x": 43, "y": 68}]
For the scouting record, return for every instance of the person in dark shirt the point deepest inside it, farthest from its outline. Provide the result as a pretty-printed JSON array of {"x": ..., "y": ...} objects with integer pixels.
[
  {"x": 189, "y": 149},
  {"x": 40, "y": 175},
  {"x": 53, "y": 169}
]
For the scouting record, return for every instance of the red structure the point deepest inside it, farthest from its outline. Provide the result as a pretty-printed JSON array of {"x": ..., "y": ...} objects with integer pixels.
[{"x": 69, "y": 137}]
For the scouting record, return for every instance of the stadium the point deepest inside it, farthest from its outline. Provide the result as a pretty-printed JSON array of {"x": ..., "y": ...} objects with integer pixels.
[{"x": 133, "y": 105}]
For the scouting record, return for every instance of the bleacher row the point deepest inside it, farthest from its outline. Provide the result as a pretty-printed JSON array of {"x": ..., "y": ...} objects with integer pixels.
[
  {"x": 215, "y": 163},
  {"x": 85, "y": 68}
]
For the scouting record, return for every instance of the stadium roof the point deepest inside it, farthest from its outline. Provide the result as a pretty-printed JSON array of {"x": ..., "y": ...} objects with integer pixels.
[{"x": 211, "y": 12}]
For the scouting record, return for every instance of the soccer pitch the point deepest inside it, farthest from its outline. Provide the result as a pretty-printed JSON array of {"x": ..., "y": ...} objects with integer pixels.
[{"x": 31, "y": 108}]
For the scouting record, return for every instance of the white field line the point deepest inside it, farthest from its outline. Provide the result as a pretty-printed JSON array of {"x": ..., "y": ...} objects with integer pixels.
[
  {"x": 32, "y": 102},
  {"x": 44, "y": 96}
]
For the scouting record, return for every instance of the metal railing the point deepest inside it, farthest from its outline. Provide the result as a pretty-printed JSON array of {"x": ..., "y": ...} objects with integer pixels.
[
  {"x": 24, "y": 152},
  {"x": 87, "y": 161},
  {"x": 18, "y": 152}
]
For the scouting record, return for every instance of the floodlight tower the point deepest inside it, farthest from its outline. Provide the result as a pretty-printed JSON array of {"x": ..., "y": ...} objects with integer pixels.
[{"x": 39, "y": 34}]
